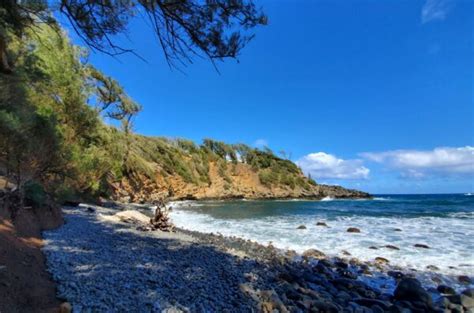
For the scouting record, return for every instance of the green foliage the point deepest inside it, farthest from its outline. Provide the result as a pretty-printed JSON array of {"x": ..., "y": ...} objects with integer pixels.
[
  {"x": 48, "y": 132},
  {"x": 34, "y": 193},
  {"x": 53, "y": 139},
  {"x": 268, "y": 178},
  {"x": 222, "y": 170}
]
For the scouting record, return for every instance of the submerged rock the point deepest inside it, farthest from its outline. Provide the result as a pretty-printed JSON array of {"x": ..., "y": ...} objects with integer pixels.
[
  {"x": 392, "y": 247},
  {"x": 321, "y": 224},
  {"x": 301, "y": 227},
  {"x": 420, "y": 245}
]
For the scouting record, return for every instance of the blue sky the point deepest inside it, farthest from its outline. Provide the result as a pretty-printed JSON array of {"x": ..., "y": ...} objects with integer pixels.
[{"x": 373, "y": 95}]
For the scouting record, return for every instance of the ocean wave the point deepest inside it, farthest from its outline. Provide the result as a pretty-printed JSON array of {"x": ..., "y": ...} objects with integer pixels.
[
  {"x": 185, "y": 203},
  {"x": 462, "y": 215},
  {"x": 328, "y": 198},
  {"x": 446, "y": 237}
]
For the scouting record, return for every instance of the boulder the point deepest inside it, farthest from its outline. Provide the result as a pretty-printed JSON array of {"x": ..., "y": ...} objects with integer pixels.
[
  {"x": 446, "y": 290},
  {"x": 313, "y": 253},
  {"x": 432, "y": 268},
  {"x": 380, "y": 260},
  {"x": 469, "y": 292},
  {"x": 467, "y": 302},
  {"x": 410, "y": 289},
  {"x": 461, "y": 299},
  {"x": 371, "y": 302},
  {"x": 353, "y": 230},
  {"x": 65, "y": 307},
  {"x": 301, "y": 227},
  {"x": 322, "y": 224},
  {"x": 322, "y": 306},
  {"x": 396, "y": 274},
  {"x": 420, "y": 245},
  {"x": 392, "y": 247},
  {"x": 464, "y": 279}
]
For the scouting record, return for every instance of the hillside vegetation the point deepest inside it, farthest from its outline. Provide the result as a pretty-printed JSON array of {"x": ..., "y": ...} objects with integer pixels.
[{"x": 54, "y": 143}]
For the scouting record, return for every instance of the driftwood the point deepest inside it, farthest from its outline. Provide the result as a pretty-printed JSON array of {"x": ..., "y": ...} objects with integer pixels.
[{"x": 161, "y": 219}]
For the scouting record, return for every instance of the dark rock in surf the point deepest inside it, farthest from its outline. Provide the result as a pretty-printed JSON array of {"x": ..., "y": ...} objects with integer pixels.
[
  {"x": 432, "y": 268},
  {"x": 301, "y": 227},
  {"x": 392, "y": 247},
  {"x": 322, "y": 224},
  {"x": 353, "y": 230},
  {"x": 420, "y": 245},
  {"x": 464, "y": 279}
]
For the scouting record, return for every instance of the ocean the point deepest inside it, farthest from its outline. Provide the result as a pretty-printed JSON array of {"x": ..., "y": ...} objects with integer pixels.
[{"x": 444, "y": 223}]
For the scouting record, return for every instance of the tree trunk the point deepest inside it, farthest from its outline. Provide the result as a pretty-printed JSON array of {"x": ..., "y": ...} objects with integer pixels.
[{"x": 4, "y": 64}]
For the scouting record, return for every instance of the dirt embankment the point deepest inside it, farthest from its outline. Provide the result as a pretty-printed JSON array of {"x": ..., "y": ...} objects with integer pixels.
[{"x": 25, "y": 285}]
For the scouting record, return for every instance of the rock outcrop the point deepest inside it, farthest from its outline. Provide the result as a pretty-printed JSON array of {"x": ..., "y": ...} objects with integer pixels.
[{"x": 241, "y": 181}]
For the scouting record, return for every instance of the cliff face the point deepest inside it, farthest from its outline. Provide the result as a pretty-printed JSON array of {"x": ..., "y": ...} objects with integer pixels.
[{"x": 238, "y": 181}]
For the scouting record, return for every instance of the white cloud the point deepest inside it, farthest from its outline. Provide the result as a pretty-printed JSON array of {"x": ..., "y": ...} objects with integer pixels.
[
  {"x": 418, "y": 164},
  {"x": 323, "y": 165},
  {"x": 260, "y": 143},
  {"x": 434, "y": 10}
]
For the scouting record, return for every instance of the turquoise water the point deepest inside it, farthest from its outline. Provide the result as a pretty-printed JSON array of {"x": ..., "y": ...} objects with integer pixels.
[{"x": 443, "y": 222}]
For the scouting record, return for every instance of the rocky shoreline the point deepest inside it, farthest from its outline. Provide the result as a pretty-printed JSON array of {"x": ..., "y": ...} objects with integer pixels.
[{"x": 104, "y": 264}]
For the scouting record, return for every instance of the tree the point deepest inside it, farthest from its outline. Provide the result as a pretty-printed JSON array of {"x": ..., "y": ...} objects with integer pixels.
[
  {"x": 216, "y": 29},
  {"x": 111, "y": 100}
]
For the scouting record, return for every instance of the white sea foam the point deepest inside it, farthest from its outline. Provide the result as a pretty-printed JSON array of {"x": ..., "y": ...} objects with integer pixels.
[
  {"x": 328, "y": 198},
  {"x": 450, "y": 239}
]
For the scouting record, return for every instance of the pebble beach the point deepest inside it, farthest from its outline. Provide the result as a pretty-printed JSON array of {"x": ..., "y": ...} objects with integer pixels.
[{"x": 103, "y": 262}]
